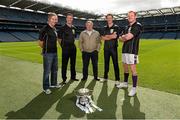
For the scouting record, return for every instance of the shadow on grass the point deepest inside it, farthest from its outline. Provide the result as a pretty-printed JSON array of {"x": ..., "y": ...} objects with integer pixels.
[
  {"x": 107, "y": 103},
  {"x": 36, "y": 108},
  {"x": 67, "y": 105},
  {"x": 130, "y": 111}
]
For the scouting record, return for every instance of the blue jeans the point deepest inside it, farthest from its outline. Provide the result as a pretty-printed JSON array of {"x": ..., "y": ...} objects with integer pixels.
[{"x": 50, "y": 65}]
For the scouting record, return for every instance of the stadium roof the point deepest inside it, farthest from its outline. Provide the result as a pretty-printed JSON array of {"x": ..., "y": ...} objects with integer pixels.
[{"x": 45, "y": 7}]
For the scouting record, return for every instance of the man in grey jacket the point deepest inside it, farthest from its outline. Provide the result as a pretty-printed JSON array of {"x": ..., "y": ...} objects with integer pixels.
[{"x": 89, "y": 43}]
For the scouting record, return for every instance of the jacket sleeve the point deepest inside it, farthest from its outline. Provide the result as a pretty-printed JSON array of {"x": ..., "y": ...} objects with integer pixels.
[
  {"x": 81, "y": 41},
  {"x": 98, "y": 42}
]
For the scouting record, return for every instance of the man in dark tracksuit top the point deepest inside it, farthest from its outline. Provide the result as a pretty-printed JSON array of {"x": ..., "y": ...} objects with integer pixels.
[
  {"x": 48, "y": 43},
  {"x": 110, "y": 35},
  {"x": 67, "y": 35},
  {"x": 130, "y": 39}
]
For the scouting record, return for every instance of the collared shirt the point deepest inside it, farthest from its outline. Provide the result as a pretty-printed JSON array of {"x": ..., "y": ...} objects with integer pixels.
[
  {"x": 49, "y": 37},
  {"x": 132, "y": 46},
  {"x": 89, "y": 41},
  {"x": 89, "y": 32},
  {"x": 108, "y": 31},
  {"x": 67, "y": 35}
]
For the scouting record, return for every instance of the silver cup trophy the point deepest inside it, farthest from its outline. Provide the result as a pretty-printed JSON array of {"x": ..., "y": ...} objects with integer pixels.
[{"x": 85, "y": 102}]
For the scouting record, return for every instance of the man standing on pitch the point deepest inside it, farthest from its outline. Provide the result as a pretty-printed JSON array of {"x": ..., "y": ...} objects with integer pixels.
[
  {"x": 89, "y": 43},
  {"x": 66, "y": 36},
  {"x": 48, "y": 43},
  {"x": 130, "y": 49},
  {"x": 110, "y": 35}
]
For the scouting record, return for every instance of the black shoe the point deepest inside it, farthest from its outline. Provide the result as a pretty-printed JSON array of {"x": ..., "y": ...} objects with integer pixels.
[
  {"x": 74, "y": 79},
  {"x": 62, "y": 84},
  {"x": 83, "y": 79},
  {"x": 97, "y": 79}
]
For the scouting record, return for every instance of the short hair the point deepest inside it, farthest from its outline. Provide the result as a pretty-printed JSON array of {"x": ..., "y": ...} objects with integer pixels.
[
  {"x": 109, "y": 15},
  {"x": 51, "y": 14},
  {"x": 69, "y": 14},
  {"x": 132, "y": 12},
  {"x": 89, "y": 21}
]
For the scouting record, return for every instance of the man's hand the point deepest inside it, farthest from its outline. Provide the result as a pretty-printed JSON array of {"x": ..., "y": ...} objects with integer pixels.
[
  {"x": 114, "y": 35},
  {"x": 122, "y": 38},
  {"x": 40, "y": 43},
  {"x": 126, "y": 37}
]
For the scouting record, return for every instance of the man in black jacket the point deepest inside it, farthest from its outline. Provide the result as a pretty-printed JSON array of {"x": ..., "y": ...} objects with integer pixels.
[
  {"x": 110, "y": 35},
  {"x": 67, "y": 35},
  {"x": 48, "y": 43}
]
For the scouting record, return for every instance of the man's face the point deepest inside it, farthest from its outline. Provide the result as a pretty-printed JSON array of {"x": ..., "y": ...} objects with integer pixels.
[
  {"x": 69, "y": 19},
  {"x": 89, "y": 26},
  {"x": 109, "y": 19},
  {"x": 131, "y": 17},
  {"x": 53, "y": 20}
]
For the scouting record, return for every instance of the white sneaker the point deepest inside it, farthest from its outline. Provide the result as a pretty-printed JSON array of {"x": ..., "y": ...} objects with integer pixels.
[
  {"x": 103, "y": 80},
  {"x": 55, "y": 86},
  {"x": 47, "y": 91},
  {"x": 122, "y": 85},
  {"x": 132, "y": 92},
  {"x": 117, "y": 83}
]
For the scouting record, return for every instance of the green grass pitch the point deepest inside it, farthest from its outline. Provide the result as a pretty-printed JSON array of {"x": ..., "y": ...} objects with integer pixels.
[{"x": 158, "y": 94}]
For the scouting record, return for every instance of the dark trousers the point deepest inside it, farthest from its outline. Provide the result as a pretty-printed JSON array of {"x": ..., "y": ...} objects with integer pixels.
[
  {"x": 50, "y": 65},
  {"x": 112, "y": 52},
  {"x": 86, "y": 59},
  {"x": 68, "y": 53}
]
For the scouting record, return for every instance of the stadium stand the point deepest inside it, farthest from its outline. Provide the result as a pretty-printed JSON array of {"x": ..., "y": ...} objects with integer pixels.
[
  {"x": 146, "y": 35},
  {"x": 21, "y": 20},
  {"x": 7, "y": 37},
  {"x": 156, "y": 35},
  {"x": 178, "y": 35},
  {"x": 170, "y": 35}
]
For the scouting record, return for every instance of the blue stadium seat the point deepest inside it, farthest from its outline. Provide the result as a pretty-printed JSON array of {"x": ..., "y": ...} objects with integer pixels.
[
  {"x": 169, "y": 35},
  {"x": 156, "y": 35},
  {"x": 23, "y": 25},
  {"x": 178, "y": 35},
  {"x": 146, "y": 35}
]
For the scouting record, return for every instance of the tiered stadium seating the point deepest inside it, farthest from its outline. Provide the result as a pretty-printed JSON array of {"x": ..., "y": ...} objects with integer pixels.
[
  {"x": 169, "y": 35},
  {"x": 7, "y": 37},
  {"x": 178, "y": 35},
  {"x": 146, "y": 35},
  {"x": 156, "y": 35},
  {"x": 20, "y": 25},
  {"x": 22, "y": 36}
]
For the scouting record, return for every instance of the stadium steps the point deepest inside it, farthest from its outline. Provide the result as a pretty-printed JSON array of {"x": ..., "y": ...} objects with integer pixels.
[
  {"x": 33, "y": 34},
  {"x": 7, "y": 37},
  {"x": 22, "y": 36},
  {"x": 15, "y": 36}
]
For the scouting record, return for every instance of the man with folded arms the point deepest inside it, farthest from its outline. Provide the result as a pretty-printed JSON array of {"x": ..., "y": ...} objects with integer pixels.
[
  {"x": 110, "y": 34},
  {"x": 130, "y": 50}
]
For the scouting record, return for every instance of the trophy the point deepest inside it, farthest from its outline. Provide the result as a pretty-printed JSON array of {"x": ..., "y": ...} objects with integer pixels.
[{"x": 85, "y": 102}]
